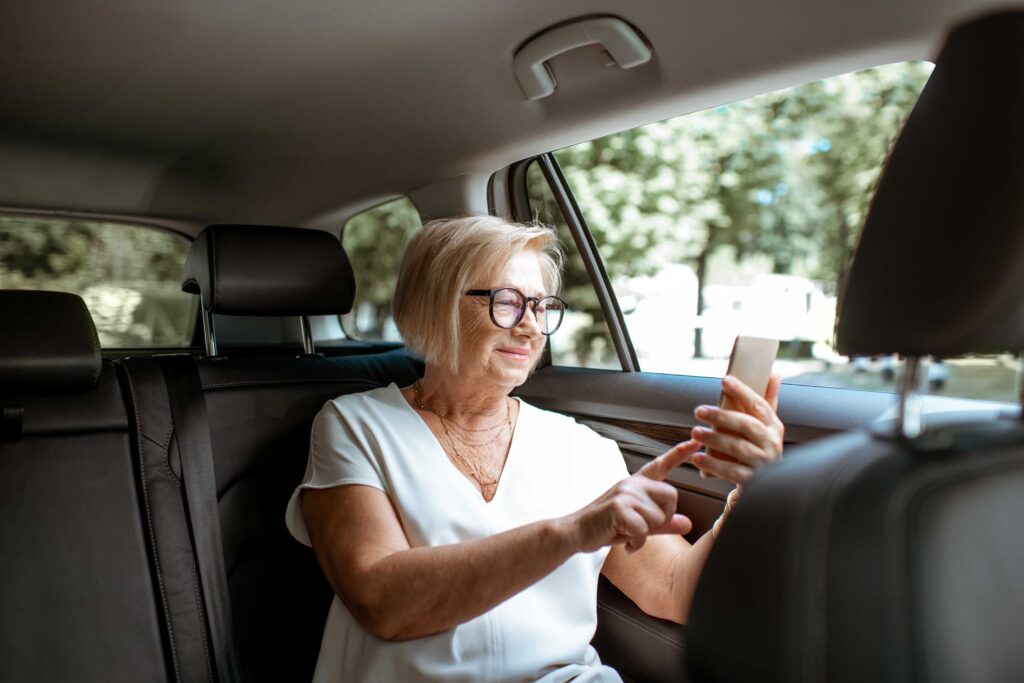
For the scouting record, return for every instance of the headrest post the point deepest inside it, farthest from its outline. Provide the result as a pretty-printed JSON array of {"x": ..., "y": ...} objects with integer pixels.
[
  {"x": 1020, "y": 384},
  {"x": 909, "y": 424},
  {"x": 209, "y": 335},
  {"x": 307, "y": 336}
]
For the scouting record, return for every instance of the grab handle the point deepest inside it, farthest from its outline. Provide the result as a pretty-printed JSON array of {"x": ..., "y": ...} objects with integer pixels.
[{"x": 619, "y": 39}]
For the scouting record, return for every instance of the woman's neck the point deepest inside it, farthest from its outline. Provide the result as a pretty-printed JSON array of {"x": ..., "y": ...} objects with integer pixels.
[{"x": 466, "y": 401}]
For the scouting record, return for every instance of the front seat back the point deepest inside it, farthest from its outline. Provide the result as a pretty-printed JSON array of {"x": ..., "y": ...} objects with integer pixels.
[
  {"x": 897, "y": 553},
  {"x": 77, "y": 591}
]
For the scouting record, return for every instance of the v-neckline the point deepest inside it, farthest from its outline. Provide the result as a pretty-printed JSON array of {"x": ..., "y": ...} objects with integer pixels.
[{"x": 440, "y": 450}]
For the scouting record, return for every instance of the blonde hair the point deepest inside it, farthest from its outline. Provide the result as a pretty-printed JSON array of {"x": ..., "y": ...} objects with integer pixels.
[{"x": 449, "y": 256}]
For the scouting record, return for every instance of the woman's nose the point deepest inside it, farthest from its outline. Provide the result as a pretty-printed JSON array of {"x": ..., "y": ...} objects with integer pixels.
[{"x": 530, "y": 319}]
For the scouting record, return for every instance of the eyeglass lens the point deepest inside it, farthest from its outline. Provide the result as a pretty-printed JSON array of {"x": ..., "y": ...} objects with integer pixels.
[{"x": 509, "y": 306}]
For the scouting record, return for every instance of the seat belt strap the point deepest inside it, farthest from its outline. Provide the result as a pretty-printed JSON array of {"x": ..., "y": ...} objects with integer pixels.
[{"x": 188, "y": 410}]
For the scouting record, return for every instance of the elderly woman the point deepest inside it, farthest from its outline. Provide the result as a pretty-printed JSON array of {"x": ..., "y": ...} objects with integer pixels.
[{"x": 463, "y": 531}]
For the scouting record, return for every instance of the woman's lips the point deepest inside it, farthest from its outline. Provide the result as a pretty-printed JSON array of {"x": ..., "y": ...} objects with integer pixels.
[{"x": 517, "y": 354}]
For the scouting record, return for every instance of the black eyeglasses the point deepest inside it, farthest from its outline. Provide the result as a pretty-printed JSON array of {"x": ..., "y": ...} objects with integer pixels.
[{"x": 508, "y": 306}]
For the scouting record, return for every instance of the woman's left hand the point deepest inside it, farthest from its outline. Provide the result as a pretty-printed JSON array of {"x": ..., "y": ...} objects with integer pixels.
[{"x": 751, "y": 439}]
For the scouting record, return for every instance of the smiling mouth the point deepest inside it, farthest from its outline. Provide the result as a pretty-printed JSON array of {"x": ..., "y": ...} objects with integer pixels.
[{"x": 519, "y": 355}]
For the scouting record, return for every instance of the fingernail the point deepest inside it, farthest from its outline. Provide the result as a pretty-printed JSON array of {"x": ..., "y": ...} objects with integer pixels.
[
  {"x": 729, "y": 380},
  {"x": 697, "y": 432},
  {"x": 698, "y": 458},
  {"x": 702, "y": 411}
]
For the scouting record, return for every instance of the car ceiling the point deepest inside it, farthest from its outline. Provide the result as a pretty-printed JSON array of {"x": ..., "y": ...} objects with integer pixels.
[{"x": 289, "y": 112}]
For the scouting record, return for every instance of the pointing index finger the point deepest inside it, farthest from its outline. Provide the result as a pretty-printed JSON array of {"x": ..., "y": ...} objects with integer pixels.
[{"x": 660, "y": 467}]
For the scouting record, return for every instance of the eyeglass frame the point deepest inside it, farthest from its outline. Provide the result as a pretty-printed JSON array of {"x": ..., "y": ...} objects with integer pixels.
[{"x": 527, "y": 300}]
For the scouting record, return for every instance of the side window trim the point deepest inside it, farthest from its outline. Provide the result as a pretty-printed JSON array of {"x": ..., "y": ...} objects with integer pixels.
[{"x": 589, "y": 253}]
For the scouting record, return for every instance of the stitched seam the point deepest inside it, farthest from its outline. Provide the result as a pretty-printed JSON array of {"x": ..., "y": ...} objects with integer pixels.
[
  {"x": 311, "y": 380},
  {"x": 162, "y": 444},
  {"x": 99, "y": 356},
  {"x": 643, "y": 627},
  {"x": 212, "y": 265},
  {"x": 202, "y": 623},
  {"x": 814, "y": 604},
  {"x": 152, "y": 535}
]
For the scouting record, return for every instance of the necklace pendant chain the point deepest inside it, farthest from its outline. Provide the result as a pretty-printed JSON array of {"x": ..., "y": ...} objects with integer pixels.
[{"x": 488, "y": 485}]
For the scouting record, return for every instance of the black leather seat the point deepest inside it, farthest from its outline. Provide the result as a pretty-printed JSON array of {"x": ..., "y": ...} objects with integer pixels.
[
  {"x": 76, "y": 585},
  {"x": 259, "y": 414},
  {"x": 897, "y": 554}
]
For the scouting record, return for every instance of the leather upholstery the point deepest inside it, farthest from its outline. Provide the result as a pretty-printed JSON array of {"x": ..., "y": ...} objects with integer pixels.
[
  {"x": 263, "y": 270},
  {"x": 861, "y": 558},
  {"x": 48, "y": 345},
  {"x": 941, "y": 257},
  {"x": 260, "y": 429},
  {"x": 260, "y": 413},
  {"x": 75, "y": 579},
  {"x": 163, "y": 507}
]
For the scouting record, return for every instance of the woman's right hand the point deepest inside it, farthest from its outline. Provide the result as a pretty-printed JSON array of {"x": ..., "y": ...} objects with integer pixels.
[{"x": 635, "y": 508}]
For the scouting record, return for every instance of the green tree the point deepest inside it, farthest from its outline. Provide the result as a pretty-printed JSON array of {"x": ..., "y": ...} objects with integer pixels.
[
  {"x": 374, "y": 241},
  {"x": 784, "y": 176}
]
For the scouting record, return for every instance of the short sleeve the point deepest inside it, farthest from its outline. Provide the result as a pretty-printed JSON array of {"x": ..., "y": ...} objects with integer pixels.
[{"x": 341, "y": 452}]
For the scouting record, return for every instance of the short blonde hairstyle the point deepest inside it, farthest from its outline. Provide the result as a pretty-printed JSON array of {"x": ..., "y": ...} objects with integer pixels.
[{"x": 449, "y": 256}]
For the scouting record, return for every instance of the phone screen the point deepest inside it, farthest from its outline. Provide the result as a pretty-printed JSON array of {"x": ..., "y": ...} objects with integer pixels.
[{"x": 751, "y": 363}]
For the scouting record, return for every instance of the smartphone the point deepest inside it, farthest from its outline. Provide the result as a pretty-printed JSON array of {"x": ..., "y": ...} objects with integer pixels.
[{"x": 751, "y": 363}]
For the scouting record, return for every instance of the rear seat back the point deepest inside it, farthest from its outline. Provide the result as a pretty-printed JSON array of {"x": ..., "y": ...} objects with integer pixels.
[
  {"x": 76, "y": 584},
  {"x": 259, "y": 414}
]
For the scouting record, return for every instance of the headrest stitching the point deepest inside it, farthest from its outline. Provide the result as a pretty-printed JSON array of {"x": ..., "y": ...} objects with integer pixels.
[
  {"x": 97, "y": 351},
  {"x": 213, "y": 272}
]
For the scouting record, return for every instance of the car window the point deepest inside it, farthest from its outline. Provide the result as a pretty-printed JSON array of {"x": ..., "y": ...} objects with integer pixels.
[
  {"x": 128, "y": 275},
  {"x": 755, "y": 205},
  {"x": 583, "y": 339},
  {"x": 375, "y": 241}
]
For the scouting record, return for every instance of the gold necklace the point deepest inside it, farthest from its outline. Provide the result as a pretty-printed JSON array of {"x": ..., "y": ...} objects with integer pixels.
[{"x": 488, "y": 485}]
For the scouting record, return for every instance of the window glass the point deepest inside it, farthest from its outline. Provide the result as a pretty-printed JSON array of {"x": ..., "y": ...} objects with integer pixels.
[
  {"x": 743, "y": 218},
  {"x": 583, "y": 339},
  {"x": 375, "y": 241},
  {"x": 129, "y": 276}
]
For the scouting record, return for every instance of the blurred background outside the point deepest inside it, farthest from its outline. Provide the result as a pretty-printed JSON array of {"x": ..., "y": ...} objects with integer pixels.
[{"x": 129, "y": 276}]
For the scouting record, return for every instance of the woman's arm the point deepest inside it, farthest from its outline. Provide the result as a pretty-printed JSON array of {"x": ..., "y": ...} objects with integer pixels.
[
  {"x": 662, "y": 576},
  {"x": 398, "y": 592}
]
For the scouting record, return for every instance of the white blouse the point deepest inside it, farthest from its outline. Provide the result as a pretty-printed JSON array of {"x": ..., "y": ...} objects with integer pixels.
[{"x": 554, "y": 467}]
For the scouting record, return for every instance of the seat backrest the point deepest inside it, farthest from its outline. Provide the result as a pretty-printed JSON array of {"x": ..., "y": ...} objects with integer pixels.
[
  {"x": 895, "y": 555},
  {"x": 259, "y": 413},
  {"x": 77, "y": 592}
]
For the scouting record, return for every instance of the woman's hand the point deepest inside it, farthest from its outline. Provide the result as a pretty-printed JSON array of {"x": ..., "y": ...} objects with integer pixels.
[
  {"x": 740, "y": 442},
  {"x": 635, "y": 508}
]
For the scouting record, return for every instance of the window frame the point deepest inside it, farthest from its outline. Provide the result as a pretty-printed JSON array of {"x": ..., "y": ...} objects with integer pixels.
[
  {"x": 521, "y": 211},
  {"x": 195, "y": 331},
  {"x": 355, "y": 335}
]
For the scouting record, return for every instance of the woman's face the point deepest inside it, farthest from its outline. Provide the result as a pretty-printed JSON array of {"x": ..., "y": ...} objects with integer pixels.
[{"x": 490, "y": 353}]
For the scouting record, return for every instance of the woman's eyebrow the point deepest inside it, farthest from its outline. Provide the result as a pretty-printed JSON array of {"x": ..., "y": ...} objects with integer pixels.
[{"x": 538, "y": 293}]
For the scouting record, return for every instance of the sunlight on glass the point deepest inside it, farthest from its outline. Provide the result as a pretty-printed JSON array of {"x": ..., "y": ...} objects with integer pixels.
[
  {"x": 129, "y": 276},
  {"x": 742, "y": 219},
  {"x": 375, "y": 241}
]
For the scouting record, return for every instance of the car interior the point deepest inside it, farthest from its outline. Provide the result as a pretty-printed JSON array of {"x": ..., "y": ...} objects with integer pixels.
[{"x": 143, "y": 486}]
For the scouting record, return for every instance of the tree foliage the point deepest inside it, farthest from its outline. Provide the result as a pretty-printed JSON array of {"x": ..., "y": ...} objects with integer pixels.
[
  {"x": 374, "y": 241},
  {"x": 785, "y": 176},
  {"x": 129, "y": 276}
]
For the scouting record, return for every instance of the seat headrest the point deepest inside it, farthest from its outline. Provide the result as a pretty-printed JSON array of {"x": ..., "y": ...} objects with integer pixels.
[
  {"x": 48, "y": 346},
  {"x": 264, "y": 270},
  {"x": 940, "y": 263}
]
